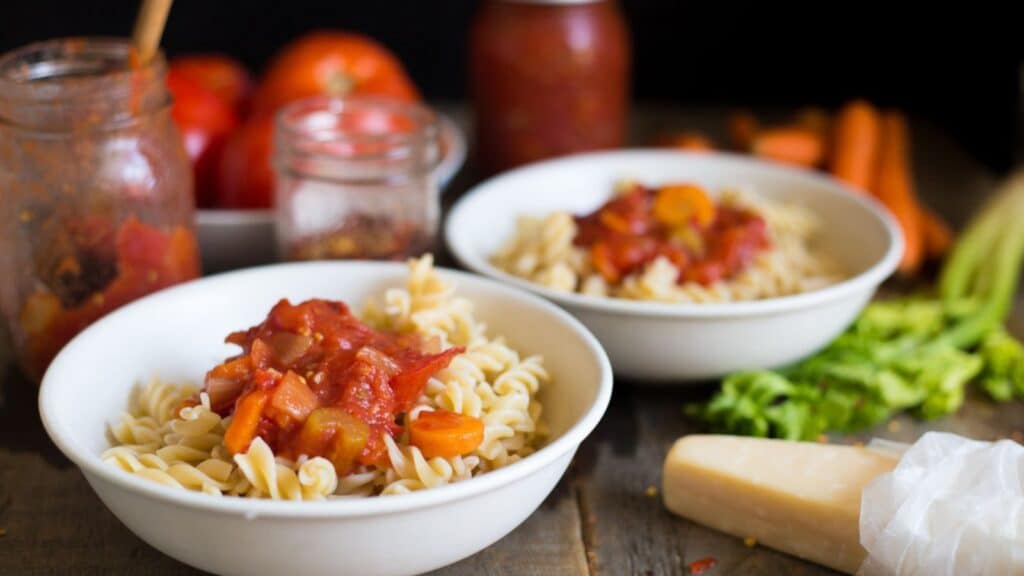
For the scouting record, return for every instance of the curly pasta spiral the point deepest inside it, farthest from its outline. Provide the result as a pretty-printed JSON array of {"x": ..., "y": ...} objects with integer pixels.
[
  {"x": 270, "y": 478},
  {"x": 411, "y": 471},
  {"x": 160, "y": 400}
]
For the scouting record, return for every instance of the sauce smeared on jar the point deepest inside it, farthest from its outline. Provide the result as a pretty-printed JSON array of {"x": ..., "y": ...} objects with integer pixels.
[
  {"x": 314, "y": 380},
  {"x": 111, "y": 267},
  {"x": 96, "y": 209},
  {"x": 706, "y": 241}
]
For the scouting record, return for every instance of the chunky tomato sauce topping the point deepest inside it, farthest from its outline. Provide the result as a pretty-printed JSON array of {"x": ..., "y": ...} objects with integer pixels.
[
  {"x": 101, "y": 267},
  {"x": 313, "y": 380},
  {"x": 707, "y": 242}
]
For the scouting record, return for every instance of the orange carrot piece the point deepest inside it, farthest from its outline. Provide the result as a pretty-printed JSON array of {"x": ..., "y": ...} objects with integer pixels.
[
  {"x": 895, "y": 188},
  {"x": 691, "y": 141},
  {"x": 445, "y": 434},
  {"x": 855, "y": 145},
  {"x": 938, "y": 237},
  {"x": 791, "y": 145},
  {"x": 742, "y": 127},
  {"x": 682, "y": 204},
  {"x": 244, "y": 421}
]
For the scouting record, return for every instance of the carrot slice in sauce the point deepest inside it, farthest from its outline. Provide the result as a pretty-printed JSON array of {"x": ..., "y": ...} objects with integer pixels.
[
  {"x": 245, "y": 421},
  {"x": 446, "y": 434},
  {"x": 683, "y": 204}
]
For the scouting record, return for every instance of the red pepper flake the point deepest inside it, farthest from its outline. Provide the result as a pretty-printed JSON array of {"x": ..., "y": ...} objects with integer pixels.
[{"x": 700, "y": 566}]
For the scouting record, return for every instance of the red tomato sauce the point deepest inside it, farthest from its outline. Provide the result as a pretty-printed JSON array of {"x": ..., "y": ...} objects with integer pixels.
[
  {"x": 708, "y": 242},
  {"x": 548, "y": 79},
  {"x": 129, "y": 262},
  {"x": 314, "y": 380}
]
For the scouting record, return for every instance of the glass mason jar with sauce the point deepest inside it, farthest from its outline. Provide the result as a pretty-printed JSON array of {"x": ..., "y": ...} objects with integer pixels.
[
  {"x": 549, "y": 77},
  {"x": 356, "y": 179},
  {"x": 96, "y": 209}
]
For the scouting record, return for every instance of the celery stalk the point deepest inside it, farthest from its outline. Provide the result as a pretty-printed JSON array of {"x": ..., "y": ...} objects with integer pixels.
[{"x": 959, "y": 276}]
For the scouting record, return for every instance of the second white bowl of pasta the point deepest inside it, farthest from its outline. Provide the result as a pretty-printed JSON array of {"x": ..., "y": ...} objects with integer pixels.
[
  {"x": 162, "y": 459},
  {"x": 782, "y": 262}
]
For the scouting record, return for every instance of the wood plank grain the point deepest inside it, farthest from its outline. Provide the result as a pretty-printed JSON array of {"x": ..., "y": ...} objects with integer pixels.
[{"x": 549, "y": 542}]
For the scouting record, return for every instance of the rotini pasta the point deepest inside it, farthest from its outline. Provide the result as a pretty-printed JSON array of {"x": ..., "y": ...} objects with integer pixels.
[
  {"x": 184, "y": 447},
  {"x": 542, "y": 251}
]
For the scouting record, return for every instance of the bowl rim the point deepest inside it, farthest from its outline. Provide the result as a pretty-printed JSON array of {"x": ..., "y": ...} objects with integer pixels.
[
  {"x": 874, "y": 275},
  {"x": 447, "y": 169},
  {"x": 566, "y": 443}
]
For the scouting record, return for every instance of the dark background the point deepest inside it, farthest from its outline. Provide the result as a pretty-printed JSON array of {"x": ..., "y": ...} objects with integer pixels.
[{"x": 960, "y": 69}]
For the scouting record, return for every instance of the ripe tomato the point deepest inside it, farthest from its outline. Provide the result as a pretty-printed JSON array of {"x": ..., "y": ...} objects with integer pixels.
[
  {"x": 245, "y": 178},
  {"x": 222, "y": 75},
  {"x": 333, "y": 63},
  {"x": 205, "y": 121}
]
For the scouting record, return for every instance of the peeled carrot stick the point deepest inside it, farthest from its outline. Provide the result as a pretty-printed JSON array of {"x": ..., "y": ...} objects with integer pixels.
[
  {"x": 937, "y": 235},
  {"x": 742, "y": 128},
  {"x": 790, "y": 144},
  {"x": 855, "y": 143},
  {"x": 245, "y": 421},
  {"x": 895, "y": 188}
]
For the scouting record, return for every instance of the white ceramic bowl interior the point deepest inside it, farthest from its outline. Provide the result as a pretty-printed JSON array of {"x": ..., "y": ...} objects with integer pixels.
[
  {"x": 231, "y": 239},
  {"x": 671, "y": 343},
  {"x": 178, "y": 334}
]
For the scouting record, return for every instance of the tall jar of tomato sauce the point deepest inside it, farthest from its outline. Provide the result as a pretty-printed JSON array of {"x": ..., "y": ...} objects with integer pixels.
[
  {"x": 96, "y": 204},
  {"x": 549, "y": 77}
]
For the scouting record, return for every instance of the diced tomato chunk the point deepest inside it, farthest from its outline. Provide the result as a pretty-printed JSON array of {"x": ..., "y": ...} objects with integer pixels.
[
  {"x": 226, "y": 381},
  {"x": 410, "y": 382},
  {"x": 291, "y": 401}
]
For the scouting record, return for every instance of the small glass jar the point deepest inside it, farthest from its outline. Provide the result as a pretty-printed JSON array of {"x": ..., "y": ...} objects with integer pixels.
[
  {"x": 356, "y": 179},
  {"x": 548, "y": 77},
  {"x": 96, "y": 209}
]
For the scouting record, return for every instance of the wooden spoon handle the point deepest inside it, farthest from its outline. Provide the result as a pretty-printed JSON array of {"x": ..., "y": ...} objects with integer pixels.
[{"x": 149, "y": 27}]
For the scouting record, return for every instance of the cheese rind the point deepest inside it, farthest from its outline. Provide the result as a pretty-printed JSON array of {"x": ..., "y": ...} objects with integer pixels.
[{"x": 798, "y": 497}]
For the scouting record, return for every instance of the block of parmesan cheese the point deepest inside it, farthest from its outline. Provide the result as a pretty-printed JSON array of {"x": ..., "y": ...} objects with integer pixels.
[{"x": 798, "y": 497}]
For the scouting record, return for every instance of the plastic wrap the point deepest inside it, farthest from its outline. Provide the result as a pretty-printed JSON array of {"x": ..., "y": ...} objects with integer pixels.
[{"x": 952, "y": 506}]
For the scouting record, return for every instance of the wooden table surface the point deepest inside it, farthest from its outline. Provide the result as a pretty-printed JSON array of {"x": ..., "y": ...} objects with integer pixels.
[{"x": 603, "y": 518}]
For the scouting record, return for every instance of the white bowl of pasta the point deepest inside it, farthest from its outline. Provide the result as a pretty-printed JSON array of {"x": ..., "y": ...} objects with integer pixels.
[
  {"x": 686, "y": 266},
  {"x": 166, "y": 463}
]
